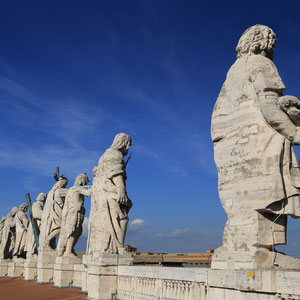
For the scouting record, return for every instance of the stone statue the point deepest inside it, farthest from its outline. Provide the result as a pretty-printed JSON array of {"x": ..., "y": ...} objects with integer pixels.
[
  {"x": 110, "y": 204},
  {"x": 254, "y": 128},
  {"x": 73, "y": 216},
  {"x": 37, "y": 210},
  {"x": 52, "y": 214},
  {"x": 2, "y": 221},
  {"x": 8, "y": 235},
  {"x": 21, "y": 223}
]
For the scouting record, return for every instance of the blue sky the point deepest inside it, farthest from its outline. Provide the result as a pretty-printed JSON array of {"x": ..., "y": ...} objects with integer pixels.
[{"x": 75, "y": 73}]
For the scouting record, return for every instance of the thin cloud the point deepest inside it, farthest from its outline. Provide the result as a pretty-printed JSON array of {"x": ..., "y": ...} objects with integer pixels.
[
  {"x": 85, "y": 227},
  {"x": 156, "y": 239},
  {"x": 173, "y": 234}
]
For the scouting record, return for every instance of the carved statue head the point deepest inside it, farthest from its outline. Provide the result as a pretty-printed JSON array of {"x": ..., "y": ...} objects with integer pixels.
[
  {"x": 23, "y": 207},
  {"x": 258, "y": 39},
  {"x": 41, "y": 197},
  {"x": 61, "y": 183},
  {"x": 81, "y": 179},
  {"x": 13, "y": 211},
  {"x": 122, "y": 142}
]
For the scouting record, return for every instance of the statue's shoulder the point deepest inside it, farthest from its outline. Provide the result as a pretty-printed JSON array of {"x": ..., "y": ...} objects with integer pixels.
[
  {"x": 260, "y": 62},
  {"x": 36, "y": 205},
  {"x": 112, "y": 154}
]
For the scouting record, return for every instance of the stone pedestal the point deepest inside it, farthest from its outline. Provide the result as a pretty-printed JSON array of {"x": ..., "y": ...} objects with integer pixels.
[
  {"x": 257, "y": 259},
  {"x": 86, "y": 261},
  {"x": 64, "y": 270},
  {"x": 45, "y": 266},
  {"x": 4, "y": 267},
  {"x": 102, "y": 274},
  {"x": 77, "y": 275},
  {"x": 16, "y": 267},
  {"x": 30, "y": 268}
]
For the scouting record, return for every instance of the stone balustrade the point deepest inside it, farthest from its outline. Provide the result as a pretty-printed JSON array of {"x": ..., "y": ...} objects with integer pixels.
[
  {"x": 161, "y": 283},
  {"x": 168, "y": 283}
]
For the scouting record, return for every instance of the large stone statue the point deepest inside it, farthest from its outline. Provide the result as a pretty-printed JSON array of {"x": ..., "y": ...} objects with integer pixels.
[
  {"x": 2, "y": 221},
  {"x": 253, "y": 130},
  {"x": 8, "y": 235},
  {"x": 73, "y": 216},
  {"x": 21, "y": 224},
  {"x": 37, "y": 210},
  {"x": 52, "y": 214},
  {"x": 110, "y": 204}
]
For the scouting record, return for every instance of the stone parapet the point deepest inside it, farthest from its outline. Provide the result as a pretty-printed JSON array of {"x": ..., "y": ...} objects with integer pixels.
[
  {"x": 45, "y": 266},
  {"x": 4, "y": 267},
  {"x": 102, "y": 274},
  {"x": 136, "y": 282},
  {"x": 64, "y": 270},
  {"x": 30, "y": 268},
  {"x": 16, "y": 267}
]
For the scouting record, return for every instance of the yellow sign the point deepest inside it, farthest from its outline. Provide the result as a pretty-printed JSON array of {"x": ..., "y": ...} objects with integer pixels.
[{"x": 250, "y": 274}]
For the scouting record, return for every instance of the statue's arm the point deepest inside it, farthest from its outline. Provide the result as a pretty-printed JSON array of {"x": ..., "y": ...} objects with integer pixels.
[
  {"x": 277, "y": 118},
  {"x": 86, "y": 192},
  {"x": 119, "y": 182}
]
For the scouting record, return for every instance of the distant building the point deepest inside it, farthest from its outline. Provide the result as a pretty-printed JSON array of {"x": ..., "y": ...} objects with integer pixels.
[{"x": 171, "y": 259}]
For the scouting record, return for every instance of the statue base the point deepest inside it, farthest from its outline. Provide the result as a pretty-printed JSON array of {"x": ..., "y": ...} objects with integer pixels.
[
  {"x": 77, "y": 275},
  {"x": 45, "y": 266},
  {"x": 16, "y": 267},
  {"x": 102, "y": 274},
  {"x": 64, "y": 270},
  {"x": 86, "y": 261},
  {"x": 4, "y": 267},
  {"x": 30, "y": 268},
  {"x": 261, "y": 258}
]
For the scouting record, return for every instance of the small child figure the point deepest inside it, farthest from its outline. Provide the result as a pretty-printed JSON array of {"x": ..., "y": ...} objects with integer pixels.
[{"x": 291, "y": 105}]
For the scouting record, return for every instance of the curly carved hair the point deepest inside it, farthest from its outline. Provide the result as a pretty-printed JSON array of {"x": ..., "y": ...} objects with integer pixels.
[
  {"x": 256, "y": 39},
  {"x": 82, "y": 179},
  {"x": 121, "y": 140}
]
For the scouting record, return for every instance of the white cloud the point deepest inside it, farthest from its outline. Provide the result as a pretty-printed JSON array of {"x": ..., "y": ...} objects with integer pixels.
[
  {"x": 85, "y": 226},
  {"x": 136, "y": 224}
]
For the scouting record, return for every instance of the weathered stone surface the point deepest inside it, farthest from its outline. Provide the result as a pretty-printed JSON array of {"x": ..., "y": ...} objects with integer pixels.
[
  {"x": 16, "y": 267},
  {"x": 86, "y": 261},
  {"x": 77, "y": 275},
  {"x": 30, "y": 268},
  {"x": 136, "y": 282},
  {"x": 110, "y": 204},
  {"x": 2, "y": 221},
  {"x": 253, "y": 130},
  {"x": 50, "y": 229},
  {"x": 21, "y": 224},
  {"x": 64, "y": 270},
  {"x": 73, "y": 216},
  {"x": 52, "y": 215},
  {"x": 8, "y": 235},
  {"x": 45, "y": 266},
  {"x": 37, "y": 211},
  {"x": 101, "y": 274},
  {"x": 4, "y": 267}
]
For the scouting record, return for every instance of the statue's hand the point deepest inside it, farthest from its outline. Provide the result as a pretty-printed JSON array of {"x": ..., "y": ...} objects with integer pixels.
[{"x": 121, "y": 196}]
